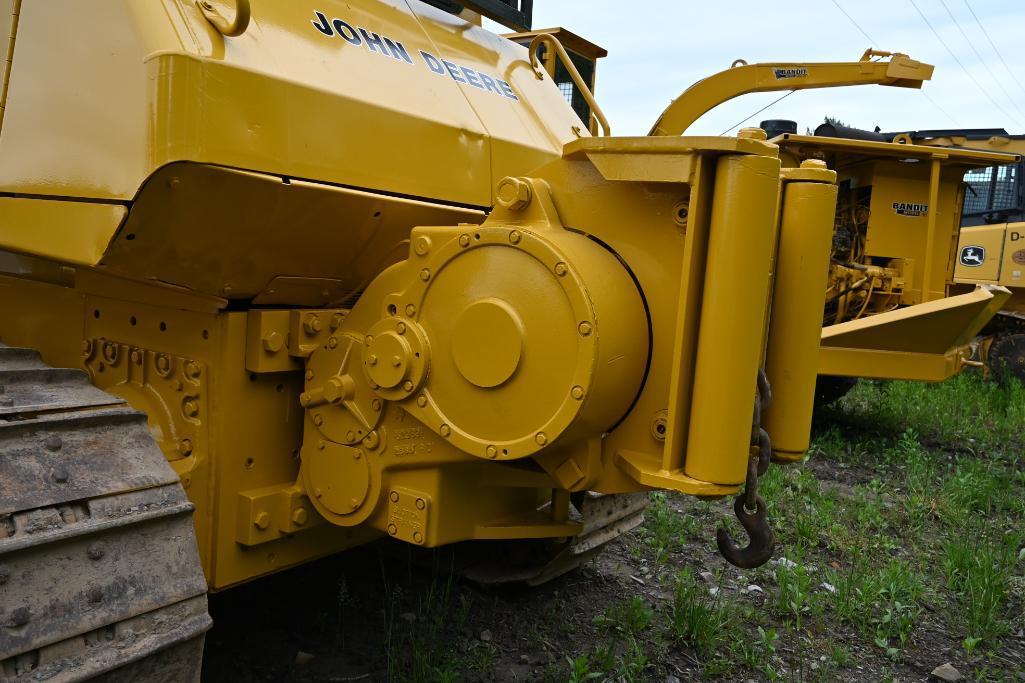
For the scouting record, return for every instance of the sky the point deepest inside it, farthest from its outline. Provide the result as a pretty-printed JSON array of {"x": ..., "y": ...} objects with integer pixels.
[{"x": 664, "y": 46}]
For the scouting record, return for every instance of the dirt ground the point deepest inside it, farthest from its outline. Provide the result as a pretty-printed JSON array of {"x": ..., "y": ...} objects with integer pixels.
[{"x": 898, "y": 551}]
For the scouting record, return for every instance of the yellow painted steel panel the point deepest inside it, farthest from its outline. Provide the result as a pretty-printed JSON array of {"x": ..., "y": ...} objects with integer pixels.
[
  {"x": 73, "y": 232},
  {"x": 358, "y": 101},
  {"x": 76, "y": 115},
  {"x": 1012, "y": 267},
  {"x": 987, "y": 244}
]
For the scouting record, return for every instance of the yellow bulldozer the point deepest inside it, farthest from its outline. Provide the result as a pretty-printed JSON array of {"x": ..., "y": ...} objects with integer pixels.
[{"x": 284, "y": 278}]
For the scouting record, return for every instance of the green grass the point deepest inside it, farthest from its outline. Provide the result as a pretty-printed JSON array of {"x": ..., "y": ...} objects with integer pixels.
[{"x": 910, "y": 529}]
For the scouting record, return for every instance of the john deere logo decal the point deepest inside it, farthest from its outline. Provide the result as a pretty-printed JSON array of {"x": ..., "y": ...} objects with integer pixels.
[
  {"x": 973, "y": 256},
  {"x": 794, "y": 72},
  {"x": 910, "y": 209}
]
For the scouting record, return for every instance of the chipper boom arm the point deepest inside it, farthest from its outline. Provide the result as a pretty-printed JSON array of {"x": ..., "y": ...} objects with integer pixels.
[{"x": 872, "y": 69}]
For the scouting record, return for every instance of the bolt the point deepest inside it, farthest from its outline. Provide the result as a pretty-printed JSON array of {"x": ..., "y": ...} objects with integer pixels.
[
  {"x": 491, "y": 451},
  {"x": 513, "y": 193},
  {"x": 392, "y": 529},
  {"x": 87, "y": 347},
  {"x": 407, "y": 386},
  {"x": 814, "y": 163},
  {"x": 192, "y": 370},
  {"x": 372, "y": 440},
  {"x": 376, "y": 404},
  {"x": 318, "y": 493},
  {"x": 336, "y": 321},
  {"x": 60, "y": 475},
  {"x": 541, "y": 438},
  {"x": 410, "y": 310},
  {"x": 53, "y": 443},
  {"x": 137, "y": 357},
  {"x": 321, "y": 445},
  {"x": 371, "y": 359},
  {"x": 96, "y": 551},
  {"x": 425, "y": 274},
  {"x": 445, "y": 430},
  {"x": 350, "y": 436},
  {"x": 299, "y": 517},
  {"x": 311, "y": 324},
  {"x": 191, "y": 408},
  {"x": 332, "y": 342},
  {"x": 110, "y": 352},
  {"x": 95, "y": 594},
  {"x": 304, "y": 399},
  {"x": 421, "y": 401},
  {"x": 318, "y": 419},
  {"x": 396, "y": 361},
  {"x": 418, "y": 537},
  {"x": 464, "y": 240},
  {"x": 577, "y": 392},
  {"x": 18, "y": 617},
  {"x": 420, "y": 503},
  {"x": 309, "y": 375},
  {"x": 515, "y": 236},
  {"x": 561, "y": 269},
  {"x": 422, "y": 245},
  {"x": 357, "y": 454},
  {"x": 353, "y": 503},
  {"x": 273, "y": 342},
  {"x": 394, "y": 496},
  {"x": 400, "y": 327},
  {"x": 185, "y": 447},
  {"x": 585, "y": 328},
  {"x": 262, "y": 520},
  {"x": 751, "y": 134}
]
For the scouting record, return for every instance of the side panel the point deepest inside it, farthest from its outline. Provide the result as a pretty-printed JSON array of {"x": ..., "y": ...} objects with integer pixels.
[
  {"x": 76, "y": 115},
  {"x": 899, "y": 227},
  {"x": 1012, "y": 269},
  {"x": 979, "y": 254},
  {"x": 106, "y": 91}
]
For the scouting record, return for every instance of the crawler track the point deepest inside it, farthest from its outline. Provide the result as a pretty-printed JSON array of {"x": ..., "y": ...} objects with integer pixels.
[{"x": 99, "y": 570}]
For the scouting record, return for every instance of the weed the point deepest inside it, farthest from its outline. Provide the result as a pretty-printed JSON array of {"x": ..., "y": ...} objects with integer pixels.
[
  {"x": 665, "y": 529},
  {"x": 882, "y": 603},
  {"x": 628, "y": 618},
  {"x": 697, "y": 619},
  {"x": 977, "y": 572},
  {"x": 580, "y": 669}
]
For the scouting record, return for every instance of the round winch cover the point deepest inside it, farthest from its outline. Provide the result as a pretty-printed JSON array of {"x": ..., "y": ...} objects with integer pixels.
[{"x": 529, "y": 335}]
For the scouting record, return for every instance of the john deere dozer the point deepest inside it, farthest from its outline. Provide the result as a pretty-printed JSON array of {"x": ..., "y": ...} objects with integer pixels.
[{"x": 283, "y": 279}]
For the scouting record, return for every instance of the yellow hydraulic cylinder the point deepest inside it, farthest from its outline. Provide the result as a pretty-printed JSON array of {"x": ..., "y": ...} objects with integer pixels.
[
  {"x": 736, "y": 287},
  {"x": 802, "y": 266}
]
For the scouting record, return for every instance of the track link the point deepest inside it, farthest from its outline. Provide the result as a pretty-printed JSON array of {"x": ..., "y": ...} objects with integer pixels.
[{"x": 100, "y": 575}]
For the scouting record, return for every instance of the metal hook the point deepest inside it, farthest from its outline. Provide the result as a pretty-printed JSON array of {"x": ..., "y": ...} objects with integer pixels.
[{"x": 762, "y": 540}]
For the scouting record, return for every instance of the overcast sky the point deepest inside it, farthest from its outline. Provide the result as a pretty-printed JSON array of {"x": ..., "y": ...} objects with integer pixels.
[{"x": 658, "y": 48}]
